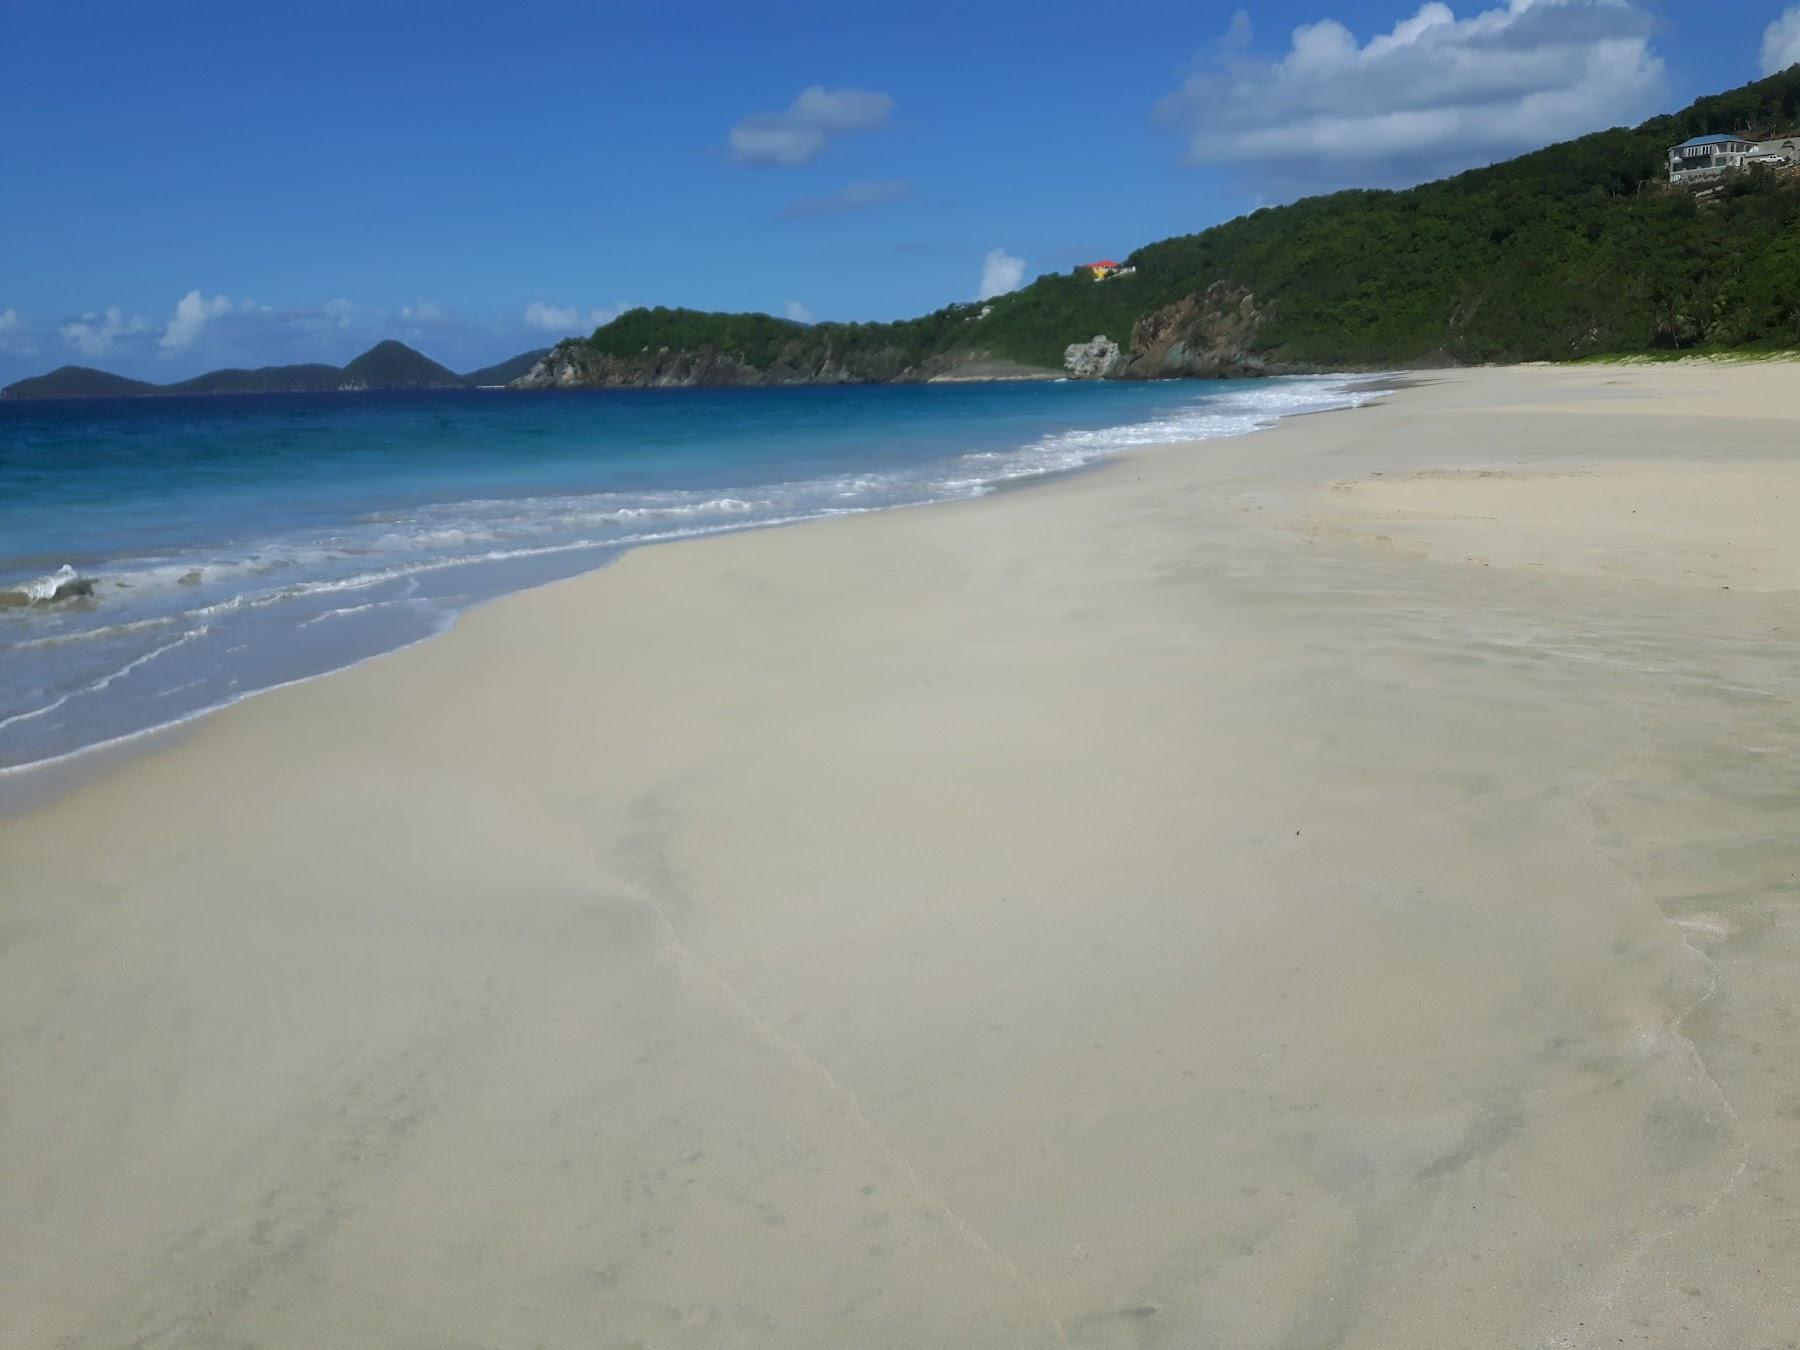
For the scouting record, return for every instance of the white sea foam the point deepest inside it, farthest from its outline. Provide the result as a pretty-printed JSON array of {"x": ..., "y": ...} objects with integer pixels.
[
  {"x": 30, "y": 714},
  {"x": 110, "y": 678},
  {"x": 63, "y": 582},
  {"x": 420, "y": 565},
  {"x": 103, "y": 631},
  {"x": 107, "y": 680},
  {"x": 45, "y": 588}
]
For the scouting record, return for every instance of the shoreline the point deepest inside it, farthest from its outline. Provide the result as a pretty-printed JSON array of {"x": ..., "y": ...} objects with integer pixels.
[
  {"x": 24, "y": 786},
  {"x": 1323, "y": 886}
]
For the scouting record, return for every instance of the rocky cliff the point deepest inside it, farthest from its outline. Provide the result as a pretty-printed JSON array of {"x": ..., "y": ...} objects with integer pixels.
[
  {"x": 1210, "y": 333},
  {"x": 577, "y": 365},
  {"x": 1098, "y": 359}
]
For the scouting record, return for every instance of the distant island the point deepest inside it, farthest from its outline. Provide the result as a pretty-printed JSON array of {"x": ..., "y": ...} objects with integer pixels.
[
  {"x": 386, "y": 365},
  {"x": 1624, "y": 242}
]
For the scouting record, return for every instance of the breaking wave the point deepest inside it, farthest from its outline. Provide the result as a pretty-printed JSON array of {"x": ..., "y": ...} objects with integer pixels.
[{"x": 159, "y": 637}]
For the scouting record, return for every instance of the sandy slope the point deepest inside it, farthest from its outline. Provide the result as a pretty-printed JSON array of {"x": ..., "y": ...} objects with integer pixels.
[{"x": 1334, "y": 887}]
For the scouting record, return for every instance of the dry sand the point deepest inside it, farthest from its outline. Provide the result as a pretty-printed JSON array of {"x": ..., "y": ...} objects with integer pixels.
[{"x": 1329, "y": 888}]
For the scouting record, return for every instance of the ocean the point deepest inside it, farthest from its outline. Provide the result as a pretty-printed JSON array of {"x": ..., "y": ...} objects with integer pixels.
[{"x": 207, "y": 548}]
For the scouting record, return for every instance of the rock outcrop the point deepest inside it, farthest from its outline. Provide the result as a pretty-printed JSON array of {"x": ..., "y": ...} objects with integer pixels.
[
  {"x": 574, "y": 365},
  {"x": 577, "y": 365},
  {"x": 1212, "y": 333},
  {"x": 1209, "y": 333},
  {"x": 1098, "y": 359},
  {"x": 63, "y": 584}
]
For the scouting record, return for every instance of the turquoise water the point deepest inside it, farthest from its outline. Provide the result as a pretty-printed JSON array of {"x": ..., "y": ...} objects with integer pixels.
[{"x": 237, "y": 543}]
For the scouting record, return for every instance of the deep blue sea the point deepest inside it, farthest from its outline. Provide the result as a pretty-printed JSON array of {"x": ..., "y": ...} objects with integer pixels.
[{"x": 237, "y": 543}]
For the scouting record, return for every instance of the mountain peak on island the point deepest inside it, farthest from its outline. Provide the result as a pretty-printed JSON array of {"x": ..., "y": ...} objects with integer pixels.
[{"x": 390, "y": 364}]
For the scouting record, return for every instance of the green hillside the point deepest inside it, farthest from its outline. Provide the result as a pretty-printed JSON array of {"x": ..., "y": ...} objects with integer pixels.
[{"x": 1575, "y": 250}]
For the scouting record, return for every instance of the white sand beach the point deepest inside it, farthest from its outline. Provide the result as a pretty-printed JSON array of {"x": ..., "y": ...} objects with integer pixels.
[{"x": 1330, "y": 887}]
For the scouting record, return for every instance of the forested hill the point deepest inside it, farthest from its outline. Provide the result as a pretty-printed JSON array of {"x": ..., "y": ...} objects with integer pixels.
[{"x": 1578, "y": 249}]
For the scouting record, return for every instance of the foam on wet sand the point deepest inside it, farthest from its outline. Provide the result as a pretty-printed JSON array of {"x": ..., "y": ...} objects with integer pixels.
[{"x": 1331, "y": 887}]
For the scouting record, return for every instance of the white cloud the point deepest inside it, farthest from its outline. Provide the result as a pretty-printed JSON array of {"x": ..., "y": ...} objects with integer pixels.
[
  {"x": 1238, "y": 33},
  {"x": 1000, "y": 273},
  {"x": 190, "y": 317},
  {"x": 1781, "y": 42},
  {"x": 800, "y": 134},
  {"x": 14, "y": 340},
  {"x": 320, "y": 325},
  {"x": 798, "y": 312},
  {"x": 568, "y": 318},
  {"x": 1435, "y": 94},
  {"x": 425, "y": 311},
  {"x": 94, "y": 334},
  {"x": 858, "y": 196}
]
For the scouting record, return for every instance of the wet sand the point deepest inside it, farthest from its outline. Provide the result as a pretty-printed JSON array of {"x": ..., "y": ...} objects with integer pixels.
[{"x": 1334, "y": 887}]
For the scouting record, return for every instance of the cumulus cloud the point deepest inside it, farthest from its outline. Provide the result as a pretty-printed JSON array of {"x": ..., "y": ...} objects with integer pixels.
[
  {"x": 426, "y": 312},
  {"x": 800, "y": 134},
  {"x": 568, "y": 318},
  {"x": 798, "y": 312},
  {"x": 94, "y": 334},
  {"x": 1000, "y": 273},
  {"x": 185, "y": 325},
  {"x": 318, "y": 325},
  {"x": 1435, "y": 94},
  {"x": 1781, "y": 42},
  {"x": 858, "y": 196},
  {"x": 14, "y": 340}
]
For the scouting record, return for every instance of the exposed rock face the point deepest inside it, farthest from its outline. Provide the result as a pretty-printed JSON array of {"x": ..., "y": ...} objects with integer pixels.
[
  {"x": 555, "y": 369},
  {"x": 63, "y": 584},
  {"x": 1098, "y": 359},
  {"x": 1208, "y": 333},
  {"x": 576, "y": 365}
]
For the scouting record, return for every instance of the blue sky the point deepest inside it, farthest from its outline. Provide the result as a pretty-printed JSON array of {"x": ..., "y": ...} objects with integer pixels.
[{"x": 190, "y": 185}]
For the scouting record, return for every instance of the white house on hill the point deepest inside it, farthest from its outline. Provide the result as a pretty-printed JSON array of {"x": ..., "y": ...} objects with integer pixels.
[{"x": 1703, "y": 157}]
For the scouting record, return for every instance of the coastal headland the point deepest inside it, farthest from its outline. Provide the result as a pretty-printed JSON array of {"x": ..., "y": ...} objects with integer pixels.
[{"x": 1333, "y": 886}]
